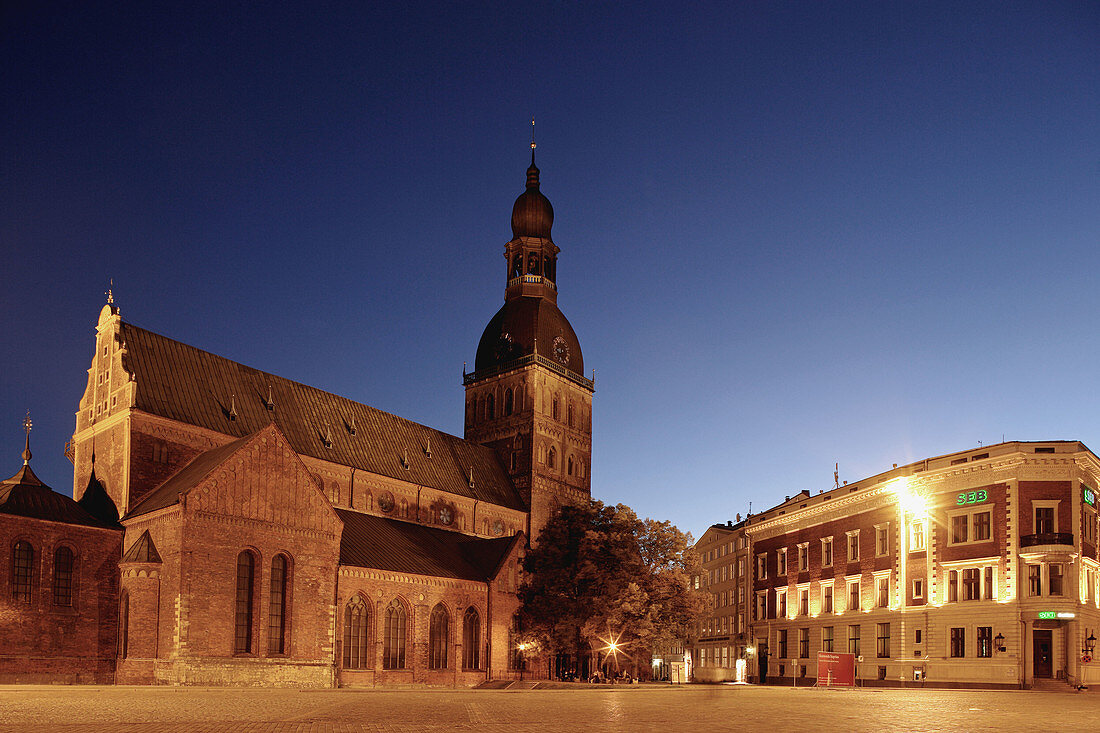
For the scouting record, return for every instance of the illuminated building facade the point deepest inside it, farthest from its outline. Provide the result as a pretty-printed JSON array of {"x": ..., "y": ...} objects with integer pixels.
[{"x": 977, "y": 568}]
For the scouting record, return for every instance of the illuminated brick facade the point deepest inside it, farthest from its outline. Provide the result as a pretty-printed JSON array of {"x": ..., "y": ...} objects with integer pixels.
[{"x": 978, "y": 568}]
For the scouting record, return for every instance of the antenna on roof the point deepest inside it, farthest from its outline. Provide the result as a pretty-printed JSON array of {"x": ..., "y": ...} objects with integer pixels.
[{"x": 233, "y": 407}]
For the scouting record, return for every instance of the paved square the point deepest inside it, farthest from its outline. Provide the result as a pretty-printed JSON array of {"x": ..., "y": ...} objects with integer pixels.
[{"x": 693, "y": 708}]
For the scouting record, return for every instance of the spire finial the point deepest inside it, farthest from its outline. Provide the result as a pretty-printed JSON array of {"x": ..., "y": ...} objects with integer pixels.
[
  {"x": 533, "y": 146},
  {"x": 27, "y": 424},
  {"x": 110, "y": 291}
]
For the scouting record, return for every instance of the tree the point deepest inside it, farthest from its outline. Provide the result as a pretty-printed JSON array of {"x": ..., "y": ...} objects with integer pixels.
[{"x": 600, "y": 573}]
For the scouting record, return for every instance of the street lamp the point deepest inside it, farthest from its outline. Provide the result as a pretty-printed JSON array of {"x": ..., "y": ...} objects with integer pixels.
[{"x": 999, "y": 641}]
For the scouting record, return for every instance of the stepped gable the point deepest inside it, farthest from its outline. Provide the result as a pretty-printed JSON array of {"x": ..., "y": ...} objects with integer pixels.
[
  {"x": 25, "y": 495},
  {"x": 184, "y": 383},
  {"x": 381, "y": 543}
]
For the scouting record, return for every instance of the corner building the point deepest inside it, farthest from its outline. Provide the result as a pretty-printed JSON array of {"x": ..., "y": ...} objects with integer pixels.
[
  {"x": 274, "y": 533},
  {"x": 977, "y": 568}
]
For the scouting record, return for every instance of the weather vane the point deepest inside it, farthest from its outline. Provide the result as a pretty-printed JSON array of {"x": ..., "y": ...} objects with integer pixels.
[
  {"x": 27, "y": 429},
  {"x": 110, "y": 291},
  {"x": 532, "y": 133}
]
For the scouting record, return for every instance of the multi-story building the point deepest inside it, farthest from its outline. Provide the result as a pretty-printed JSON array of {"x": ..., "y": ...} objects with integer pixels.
[
  {"x": 722, "y": 634},
  {"x": 977, "y": 568}
]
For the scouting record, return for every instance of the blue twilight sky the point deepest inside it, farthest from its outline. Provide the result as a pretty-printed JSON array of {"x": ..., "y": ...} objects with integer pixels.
[{"x": 792, "y": 233}]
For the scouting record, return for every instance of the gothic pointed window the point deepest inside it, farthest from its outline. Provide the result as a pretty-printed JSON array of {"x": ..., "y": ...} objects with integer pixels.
[
  {"x": 569, "y": 470},
  {"x": 551, "y": 458},
  {"x": 438, "y": 637},
  {"x": 393, "y": 639},
  {"x": 63, "y": 577},
  {"x": 555, "y": 411},
  {"x": 490, "y": 407},
  {"x": 246, "y": 577},
  {"x": 508, "y": 401},
  {"x": 22, "y": 567},
  {"x": 276, "y": 639},
  {"x": 471, "y": 639},
  {"x": 570, "y": 414},
  {"x": 356, "y": 638}
]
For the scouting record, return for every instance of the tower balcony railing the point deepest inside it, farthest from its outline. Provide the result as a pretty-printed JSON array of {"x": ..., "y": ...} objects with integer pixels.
[
  {"x": 524, "y": 279},
  {"x": 469, "y": 378},
  {"x": 1046, "y": 538}
]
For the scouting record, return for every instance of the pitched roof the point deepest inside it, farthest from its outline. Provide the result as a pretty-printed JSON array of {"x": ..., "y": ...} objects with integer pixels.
[
  {"x": 382, "y": 543},
  {"x": 168, "y": 493},
  {"x": 183, "y": 383},
  {"x": 142, "y": 551},
  {"x": 24, "y": 495}
]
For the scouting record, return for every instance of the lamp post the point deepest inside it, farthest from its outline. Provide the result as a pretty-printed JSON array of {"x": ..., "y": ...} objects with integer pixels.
[{"x": 999, "y": 640}]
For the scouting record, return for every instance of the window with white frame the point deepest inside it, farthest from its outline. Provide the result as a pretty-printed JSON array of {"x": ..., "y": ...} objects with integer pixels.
[
  {"x": 803, "y": 557},
  {"x": 853, "y": 545},
  {"x": 853, "y": 595},
  {"x": 804, "y": 601},
  {"x": 762, "y": 566},
  {"x": 1045, "y": 513},
  {"x": 1088, "y": 520},
  {"x": 761, "y": 605},
  {"x": 781, "y": 603},
  {"x": 826, "y": 552},
  {"x": 827, "y": 597},
  {"x": 1056, "y": 571},
  {"x": 781, "y": 561},
  {"x": 882, "y": 539},
  {"x": 1035, "y": 580},
  {"x": 916, "y": 536},
  {"x": 918, "y": 588},
  {"x": 967, "y": 526},
  {"x": 882, "y": 591},
  {"x": 974, "y": 583}
]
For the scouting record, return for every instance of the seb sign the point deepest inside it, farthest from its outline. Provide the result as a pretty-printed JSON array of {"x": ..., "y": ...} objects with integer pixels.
[
  {"x": 1088, "y": 495},
  {"x": 971, "y": 497}
]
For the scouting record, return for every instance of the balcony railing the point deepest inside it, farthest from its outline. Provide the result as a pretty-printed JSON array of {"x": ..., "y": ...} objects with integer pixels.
[{"x": 1046, "y": 538}]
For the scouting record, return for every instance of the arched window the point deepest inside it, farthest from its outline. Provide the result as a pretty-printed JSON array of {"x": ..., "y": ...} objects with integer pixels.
[
  {"x": 471, "y": 639},
  {"x": 124, "y": 625},
  {"x": 533, "y": 264},
  {"x": 22, "y": 570},
  {"x": 276, "y": 629},
  {"x": 63, "y": 576},
  {"x": 516, "y": 659},
  {"x": 570, "y": 412},
  {"x": 517, "y": 265},
  {"x": 569, "y": 464},
  {"x": 356, "y": 618},
  {"x": 555, "y": 411},
  {"x": 548, "y": 267},
  {"x": 508, "y": 401},
  {"x": 438, "y": 637},
  {"x": 551, "y": 458},
  {"x": 246, "y": 577},
  {"x": 490, "y": 408},
  {"x": 393, "y": 640}
]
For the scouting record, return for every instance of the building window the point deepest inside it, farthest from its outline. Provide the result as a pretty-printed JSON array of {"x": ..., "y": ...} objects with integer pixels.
[
  {"x": 63, "y": 577},
  {"x": 803, "y": 557},
  {"x": 971, "y": 579},
  {"x": 1035, "y": 580},
  {"x": 569, "y": 464},
  {"x": 987, "y": 573},
  {"x": 916, "y": 536},
  {"x": 276, "y": 637},
  {"x": 958, "y": 642},
  {"x": 853, "y": 546},
  {"x": 959, "y": 525},
  {"x": 1056, "y": 571},
  {"x": 827, "y": 598},
  {"x": 508, "y": 401},
  {"x": 552, "y": 458},
  {"x": 761, "y": 566},
  {"x": 882, "y": 648},
  {"x": 554, "y": 409},
  {"x": 22, "y": 570},
  {"x": 804, "y": 643},
  {"x": 853, "y": 639},
  {"x": 882, "y": 540},
  {"x": 882, "y": 592},
  {"x": 246, "y": 577},
  {"x": 1044, "y": 520},
  {"x": 356, "y": 617},
  {"x": 490, "y": 407},
  {"x": 804, "y": 602},
  {"x": 761, "y": 606},
  {"x": 438, "y": 636},
  {"x": 981, "y": 526},
  {"x": 827, "y": 552},
  {"x": 781, "y": 603},
  {"x": 985, "y": 641},
  {"x": 782, "y": 643},
  {"x": 917, "y": 636},
  {"x": 781, "y": 561},
  {"x": 853, "y": 595},
  {"x": 952, "y": 586},
  {"x": 918, "y": 588},
  {"x": 393, "y": 637},
  {"x": 826, "y": 638}
]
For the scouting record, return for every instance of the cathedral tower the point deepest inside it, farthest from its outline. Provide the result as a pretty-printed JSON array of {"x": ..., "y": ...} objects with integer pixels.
[{"x": 527, "y": 397}]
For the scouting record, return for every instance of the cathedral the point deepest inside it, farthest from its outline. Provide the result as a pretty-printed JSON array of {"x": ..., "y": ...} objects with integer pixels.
[{"x": 229, "y": 526}]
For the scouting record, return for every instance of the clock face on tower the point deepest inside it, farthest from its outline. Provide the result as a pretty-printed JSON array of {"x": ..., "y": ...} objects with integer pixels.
[{"x": 561, "y": 351}]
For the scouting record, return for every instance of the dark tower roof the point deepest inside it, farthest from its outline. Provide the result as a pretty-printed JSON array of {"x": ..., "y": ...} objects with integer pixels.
[
  {"x": 526, "y": 326},
  {"x": 532, "y": 214}
]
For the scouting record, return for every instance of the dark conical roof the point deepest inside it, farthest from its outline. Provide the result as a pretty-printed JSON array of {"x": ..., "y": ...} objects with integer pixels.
[
  {"x": 96, "y": 501},
  {"x": 143, "y": 550},
  {"x": 525, "y": 326},
  {"x": 25, "y": 495},
  {"x": 532, "y": 214}
]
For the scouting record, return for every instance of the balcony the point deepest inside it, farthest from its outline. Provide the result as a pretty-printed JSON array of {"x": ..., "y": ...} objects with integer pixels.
[{"x": 1046, "y": 538}]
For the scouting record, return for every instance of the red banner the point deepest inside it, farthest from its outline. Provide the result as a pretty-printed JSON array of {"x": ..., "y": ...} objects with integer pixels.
[{"x": 835, "y": 669}]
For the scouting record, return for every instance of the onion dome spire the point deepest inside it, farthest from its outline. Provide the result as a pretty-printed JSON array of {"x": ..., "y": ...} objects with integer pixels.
[{"x": 27, "y": 446}]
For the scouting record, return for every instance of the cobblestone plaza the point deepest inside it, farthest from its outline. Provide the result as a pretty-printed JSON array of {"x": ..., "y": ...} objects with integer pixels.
[{"x": 141, "y": 709}]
